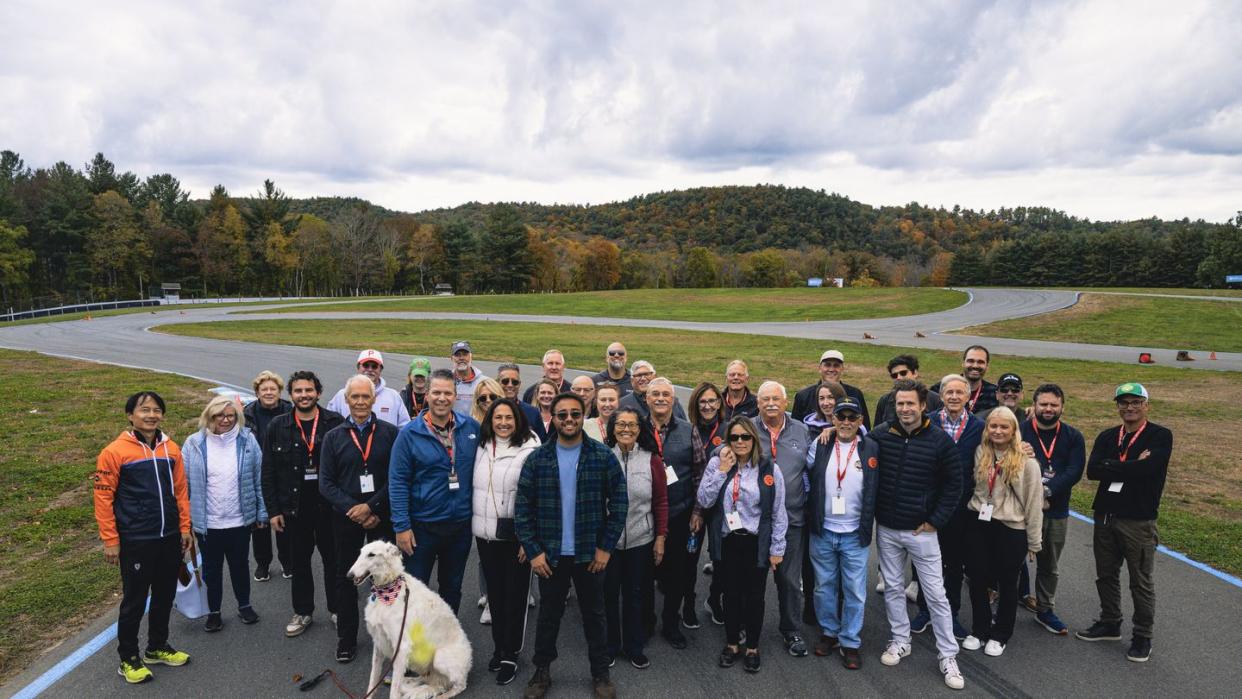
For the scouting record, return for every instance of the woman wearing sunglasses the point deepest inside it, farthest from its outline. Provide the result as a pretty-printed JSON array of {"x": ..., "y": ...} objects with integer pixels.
[
  {"x": 748, "y": 494},
  {"x": 486, "y": 392}
]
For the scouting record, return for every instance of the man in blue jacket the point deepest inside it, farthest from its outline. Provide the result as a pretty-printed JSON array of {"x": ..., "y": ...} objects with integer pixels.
[
  {"x": 919, "y": 487},
  {"x": 429, "y": 489}
]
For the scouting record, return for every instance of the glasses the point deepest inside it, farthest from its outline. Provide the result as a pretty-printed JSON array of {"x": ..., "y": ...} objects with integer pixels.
[
  {"x": 568, "y": 415},
  {"x": 899, "y": 374},
  {"x": 644, "y": 375},
  {"x": 743, "y": 437},
  {"x": 226, "y": 416},
  {"x": 849, "y": 417},
  {"x": 1009, "y": 390},
  {"x": 709, "y": 401},
  {"x": 510, "y": 382},
  {"x": 484, "y": 399},
  {"x": 369, "y": 365},
  {"x": 614, "y": 353},
  {"x": 626, "y": 426},
  {"x": 1130, "y": 403}
]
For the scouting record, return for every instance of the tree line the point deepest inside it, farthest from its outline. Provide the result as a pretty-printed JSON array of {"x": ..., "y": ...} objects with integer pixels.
[{"x": 92, "y": 233}]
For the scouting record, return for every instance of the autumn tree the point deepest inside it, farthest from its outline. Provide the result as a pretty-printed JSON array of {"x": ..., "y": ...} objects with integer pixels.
[
  {"x": 117, "y": 248},
  {"x": 601, "y": 265},
  {"x": 220, "y": 243},
  {"x": 701, "y": 270}
]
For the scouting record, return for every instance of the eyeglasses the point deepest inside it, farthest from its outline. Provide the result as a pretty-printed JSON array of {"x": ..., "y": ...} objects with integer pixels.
[
  {"x": 899, "y": 374},
  {"x": 226, "y": 416},
  {"x": 568, "y": 415},
  {"x": 849, "y": 417},
  {"x": 743, "y": 437},
  {"x": 626, "y": 426},
  {"x": 644, "y": 375},
  {"x": 484, "y": 398},
  {"x": 510, "y": 382},
  {"x": 709, "y": 401},
  {"x": 614, "y": 353}
]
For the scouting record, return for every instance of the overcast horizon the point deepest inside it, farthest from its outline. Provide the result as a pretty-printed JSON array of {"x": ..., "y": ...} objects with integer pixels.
[{"x": 1105, "y": 110}]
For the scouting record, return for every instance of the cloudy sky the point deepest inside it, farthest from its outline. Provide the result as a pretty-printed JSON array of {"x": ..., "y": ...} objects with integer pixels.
[{"x": 1110, "y": 110}]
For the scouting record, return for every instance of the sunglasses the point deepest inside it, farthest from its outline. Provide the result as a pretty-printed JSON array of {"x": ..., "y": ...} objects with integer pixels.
[
  {"x": 370, "y": 365},
  {"x": 743, "y": 437},
  {"x": 1009, "y": 389},
  {"x": 485, "y": 398},
  {"x": 510, "y": 382},
  {"x": 568, "y": 414},
  {"x": 849, "y": 417},
  {"x": 899, "y": 374},
  {"x": 614, "y": 353}
]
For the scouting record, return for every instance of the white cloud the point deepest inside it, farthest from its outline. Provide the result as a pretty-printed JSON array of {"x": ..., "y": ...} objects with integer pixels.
[{"x": 1109, "y": 110}]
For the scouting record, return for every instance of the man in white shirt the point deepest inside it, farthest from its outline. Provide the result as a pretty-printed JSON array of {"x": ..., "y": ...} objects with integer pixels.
[{"x": 388, "y": 404}]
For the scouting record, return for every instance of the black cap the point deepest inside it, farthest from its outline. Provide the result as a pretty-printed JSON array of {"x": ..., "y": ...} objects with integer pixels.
[
  {"x": 1009, "y": 379},
  {"x": 847, "y": 404}
]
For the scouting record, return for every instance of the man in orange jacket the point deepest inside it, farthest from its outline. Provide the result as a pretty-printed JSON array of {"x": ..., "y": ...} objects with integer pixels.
[{"x": 142, "y": 507}]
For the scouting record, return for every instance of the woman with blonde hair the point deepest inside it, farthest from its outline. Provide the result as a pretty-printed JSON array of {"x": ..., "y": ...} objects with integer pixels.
[
  {"x": 222, "y": 468},
  {"x": 486, "y": 392},
  {"x": 1007, "y": 509}
]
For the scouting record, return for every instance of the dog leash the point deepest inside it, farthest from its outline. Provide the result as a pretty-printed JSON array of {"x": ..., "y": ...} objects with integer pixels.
[{"x": 313, "y": 682}]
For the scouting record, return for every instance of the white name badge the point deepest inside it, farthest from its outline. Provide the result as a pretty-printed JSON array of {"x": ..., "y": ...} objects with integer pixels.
[
  {"x": 734, "y": 520},
  {"x": 985, "y": 512},
  {"x": 670, "y": 475},
  {"x": 310, "y": 476},
  {"x": 1115, "y": 486},
  {"x": 838, "y": 505},
  {"x": 368, "y": 483},
  {"x": 453, "y": 484}
]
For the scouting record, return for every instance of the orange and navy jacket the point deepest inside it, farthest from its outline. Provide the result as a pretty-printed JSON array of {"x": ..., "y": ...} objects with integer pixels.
[{"x": 140, "y": 493}]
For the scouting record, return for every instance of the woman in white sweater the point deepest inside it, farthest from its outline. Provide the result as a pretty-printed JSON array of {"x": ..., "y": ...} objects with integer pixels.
[
  {"x": 1008, "y": 518},
  {"x": 505, "y": 440}
]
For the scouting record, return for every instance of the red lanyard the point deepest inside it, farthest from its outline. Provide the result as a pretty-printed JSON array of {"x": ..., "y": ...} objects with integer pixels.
[
  {"x": 843, "y": 467},
  {"x": 992, "y": 478},
  {"x": 970, "y": 404},
  {"x": 366, "y": 453},
  {"x": 448, "y": 445},
  {"x": 957, "y": 431},
  {"x": 712, "y": 436},
  {"x": 310, "y": 443},
  {"x": 659, "y": 442},
  {"x": 773, "y": 435},
  {"x": 1121, "y": 433},
  {"x": 1047, "y": 450},
  {"x": 737, "y": 485}
]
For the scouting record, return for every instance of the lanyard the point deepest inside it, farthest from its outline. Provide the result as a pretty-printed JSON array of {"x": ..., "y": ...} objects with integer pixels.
[
  {"x": 310, "y": 443},
  {"x": 658, "y": 440},
  {"x": 366, "y": 453},
  {"x": 1047, "y": 450},
  {"x": 773, "y": 435},
  {"x": 970, "y": 404},
  {"x": 843, "y": 467},
  {"x": 1121, "y": 433},
  {"x": 712, "y": 436},
  {"x": 955, "y": 432},
  {"x": 992, "y": 478},
  {"x": 737, "y": 485},
  {"x": 447, "y": 443}
]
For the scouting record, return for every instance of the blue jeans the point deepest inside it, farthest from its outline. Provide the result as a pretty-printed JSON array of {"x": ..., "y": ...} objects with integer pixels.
[
  {"x": 840, "y": 564},
  {"x": 448, "y": 543}
]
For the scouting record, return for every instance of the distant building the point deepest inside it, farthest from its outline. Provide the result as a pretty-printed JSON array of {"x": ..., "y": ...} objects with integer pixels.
[{"x": 443, "y": 289}]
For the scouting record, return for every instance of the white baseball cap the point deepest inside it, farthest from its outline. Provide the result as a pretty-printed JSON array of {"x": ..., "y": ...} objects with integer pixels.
[
  {"x": 370, "y": 355},
  {"x": 832, "y": 354}
]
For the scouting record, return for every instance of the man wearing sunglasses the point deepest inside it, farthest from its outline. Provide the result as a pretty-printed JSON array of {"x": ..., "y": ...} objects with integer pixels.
[
  {"x": 616, "y": 372},
  {"x": 570, "y": 511},
  {"x": 903, "y": 366},
  {"x": 389, "y": 406},
  {"x": 509, "y": 376}
]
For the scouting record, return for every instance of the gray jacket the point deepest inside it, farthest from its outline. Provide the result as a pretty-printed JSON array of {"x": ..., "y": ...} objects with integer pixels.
[{"x": 791, "y": 449}]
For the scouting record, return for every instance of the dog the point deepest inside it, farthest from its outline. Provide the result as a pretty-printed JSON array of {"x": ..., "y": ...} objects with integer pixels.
[{"x": 431, "y": 643}]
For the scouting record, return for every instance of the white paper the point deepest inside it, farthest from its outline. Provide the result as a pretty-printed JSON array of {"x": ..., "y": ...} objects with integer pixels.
[
  {"x": 368, "y": 483},
  {"x": 670, "y": 475},
  {"x": 838, "y": 505},
  {"x": 453, "y": 484},
  {"x": 985, "y": 512},
  {"x": 734, "y": 520},
  {"x": 1115, "y": 486},
  {"x": 310, "y": 476}
]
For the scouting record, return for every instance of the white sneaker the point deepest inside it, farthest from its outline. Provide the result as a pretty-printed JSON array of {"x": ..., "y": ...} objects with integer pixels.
[
  {"x": 879, "y": 586},
  {"x": 952, "y": 676},
  {"x": 333, "y": 620},
  {"x": 912, "y": 591},
  {"x": 894, "y": 653},
  {"x": 971, "y": 643},
  {"x": 486, "y": 617},
  {"x": 708, "y": 568},
  {"x": 994, "y": 649},
  {"x": 297, "y": 625},
  {"x": 530, "y": 601},
  {"x": 483, "y": 601}
]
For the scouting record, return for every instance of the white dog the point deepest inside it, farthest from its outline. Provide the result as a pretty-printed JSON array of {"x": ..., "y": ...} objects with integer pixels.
[{"x": 431, "y": 643}]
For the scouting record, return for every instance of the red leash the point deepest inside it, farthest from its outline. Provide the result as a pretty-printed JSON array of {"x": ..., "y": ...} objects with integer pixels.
[{"x": 310, "y": 684}]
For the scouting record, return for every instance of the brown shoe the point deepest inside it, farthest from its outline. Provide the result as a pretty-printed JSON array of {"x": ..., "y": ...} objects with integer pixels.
[
  {"x": 825, "y": 645},
  {"x": 850, "y": 658},
  {"x": 1031, "y": 604},
  {"x": 604, "y": 688},
  {"x": 539, "y": 684}
]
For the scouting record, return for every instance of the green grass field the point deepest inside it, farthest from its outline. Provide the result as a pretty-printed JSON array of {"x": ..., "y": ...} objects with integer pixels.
[
  {"x": 721, "y": 305},
  {"x": 1203, "y": 503},
  {"x": 57, "y": 415},
  {"x": 1189, "y": 324}
]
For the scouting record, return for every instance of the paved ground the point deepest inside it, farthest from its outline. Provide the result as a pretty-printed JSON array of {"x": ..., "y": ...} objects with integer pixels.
[{"x": 1197, "y": 615}]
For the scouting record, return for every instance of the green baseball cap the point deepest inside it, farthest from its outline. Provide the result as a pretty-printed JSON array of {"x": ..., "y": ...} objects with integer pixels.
[
  {"x": 420, "y": 366},
  {"x": 1130, "y": 389}
]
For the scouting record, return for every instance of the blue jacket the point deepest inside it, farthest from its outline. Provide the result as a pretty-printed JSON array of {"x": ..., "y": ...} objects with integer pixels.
[
  {"x": 418, "y": 474},
  {"x": 249, "y": 478}
]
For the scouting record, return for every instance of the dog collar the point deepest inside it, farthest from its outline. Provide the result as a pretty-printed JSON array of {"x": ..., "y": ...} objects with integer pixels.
[{"x": 387, "y": 593}]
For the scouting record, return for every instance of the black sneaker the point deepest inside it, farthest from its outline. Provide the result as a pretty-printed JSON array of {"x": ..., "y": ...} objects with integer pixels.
[
  {"x": 795, "y": 645},
  {"x": 247, "y": 615},
  {"x": 640, "y": 661},
  {"x": 1140, "y": 649},
  {"x": 1101, "y": 631},
  {"x": 715, "y": 608},
  {"x": 214, "y": 623},
  {"x": 689, "y": 619},
  {"x": 728, "y": 657},
  {"x": 751, "y": 663},
  {"x": 262, "y": 573},
  {"x": 286, "y": 573},
  {"x": 507, "y": 672},
  {"x": 493, "y": 665},
  {"x": 345, "y": 653},
  {"x": 674, "y": 637}
]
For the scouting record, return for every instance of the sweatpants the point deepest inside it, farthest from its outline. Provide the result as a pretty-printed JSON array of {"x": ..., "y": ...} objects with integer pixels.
[
  {"x": 744, "y": 583},
  {"x": 148, "y": 566},
  {"x": 348, "y": 538},
  {"x": 896, "y": 548},
  {"x": 217, "y": 546},
  {"x": 1133, "y": 542},
  {"x": 508, "y": 586},
  {"x": 552, "y": 594},
  {"x": 994, "y": 555}
]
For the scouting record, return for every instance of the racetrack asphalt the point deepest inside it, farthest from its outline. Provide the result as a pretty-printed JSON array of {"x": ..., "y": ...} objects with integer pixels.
[{"x": 1192, "y": 656}]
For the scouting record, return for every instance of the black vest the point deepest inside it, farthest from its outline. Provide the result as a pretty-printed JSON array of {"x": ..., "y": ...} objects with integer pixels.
[{"x": 767, "y": 496}]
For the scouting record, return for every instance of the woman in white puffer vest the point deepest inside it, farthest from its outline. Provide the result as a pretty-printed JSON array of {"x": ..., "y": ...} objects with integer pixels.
[{"x": 505, "y": 440}]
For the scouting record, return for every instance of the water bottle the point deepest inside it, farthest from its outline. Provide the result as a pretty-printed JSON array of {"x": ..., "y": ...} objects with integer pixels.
[{"x": 692, "y": 544}]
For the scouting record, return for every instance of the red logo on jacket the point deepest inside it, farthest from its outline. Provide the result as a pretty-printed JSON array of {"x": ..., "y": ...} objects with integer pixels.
[
  {"x": 769, "y": 481},
  {"x": 872, "y": 462}
]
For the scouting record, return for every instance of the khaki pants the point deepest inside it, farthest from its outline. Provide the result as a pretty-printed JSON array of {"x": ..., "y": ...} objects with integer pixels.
[
  {"x": 1133, "y": 542},
  {"x": 1046, "y": 562}
]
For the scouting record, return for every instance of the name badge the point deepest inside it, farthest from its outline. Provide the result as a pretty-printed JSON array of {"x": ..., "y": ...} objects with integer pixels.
[
  {"x": 310, "y": 476},
  {"x": 734, "y": 520},
  {"x": 453, "y": 484},
  {"x": 367, "y": 483},
  {"x": 985, "y": 512},
  {"x": 1115, "y": 486},
  {"x": 670, "y": 475},
  {"x": 838, "y": 505}
]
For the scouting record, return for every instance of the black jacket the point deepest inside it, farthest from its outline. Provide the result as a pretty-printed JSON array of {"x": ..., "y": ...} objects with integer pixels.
[
  {"x": 285, "y": 461},
  {"x": 341, "y": 467},
  {"x": 884, "y": 411},
  {"x": 407, "y": 398},
  {"x": 258, "y": 417},
  {"x": 920, "y": 476},
  {"x": 1142, "y": 479},
  {"x": 749, "y": 407},
  {"x": 804, "y": 402},
  {"x": 817, "y": 500}
]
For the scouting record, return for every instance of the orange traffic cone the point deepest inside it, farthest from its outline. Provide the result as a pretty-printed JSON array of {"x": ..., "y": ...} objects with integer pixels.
[
  {"x": 1145, "y": 358},
  {"x": 1212, "y": 356},
  {"x": 868, "y": 336}
]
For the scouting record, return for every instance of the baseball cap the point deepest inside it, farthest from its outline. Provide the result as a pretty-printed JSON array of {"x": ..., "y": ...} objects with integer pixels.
[
  {"x": 1009, "y": 379},
  {"x": 420, "y": 366},
  {"x": 844, "y": 405},
  {"x": 832, "y": 354},
  {"x": 459, "y": 346},
  {"x": 370, "y": 355},
  {"x": 1130, "y": 389}
]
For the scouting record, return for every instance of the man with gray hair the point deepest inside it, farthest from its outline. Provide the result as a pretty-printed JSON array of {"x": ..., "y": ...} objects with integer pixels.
[
  {"x": 553, "y": 370},
  {"x": 465, "y": 376},
  {"x": 641, "y": 374}
]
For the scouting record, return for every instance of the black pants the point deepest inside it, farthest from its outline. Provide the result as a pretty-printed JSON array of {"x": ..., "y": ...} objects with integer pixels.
[
  {"x": 148, "y": 566},
  {"x": 232, "y": 544},
  {"x": 678, "y": 571},
  {"x": 626, "y": 582},
  {"x": 552, "y": 594},
  {"x": 261, "y": 540},
  {"x": 508, "y": 584},
  {"x": 993, "y": 552},
  {"x": 952, "y": 538},
  {"x": 311, "y": 529},
  {"x": 348, "y": 538},
  {"x": 745, "y": 582}
]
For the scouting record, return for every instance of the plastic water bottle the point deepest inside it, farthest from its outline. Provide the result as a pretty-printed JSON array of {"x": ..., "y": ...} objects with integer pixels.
[{"x": 692, "y": 544}]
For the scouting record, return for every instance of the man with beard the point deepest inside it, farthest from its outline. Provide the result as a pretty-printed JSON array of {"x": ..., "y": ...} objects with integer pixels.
[
  {"x": 1061, "y": 453},
  {"x": 831, "y": 368},
  {"x": 389, "y": 406},
  {"x": 982, "y": 393},
  {"x": 616, "y": 371},
  {"x": 553, "y": 370},
  {"x": 464, "y": 375}
]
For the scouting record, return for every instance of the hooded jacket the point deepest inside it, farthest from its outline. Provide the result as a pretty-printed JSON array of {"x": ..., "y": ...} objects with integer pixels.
[{"x": 140, "y": 493}]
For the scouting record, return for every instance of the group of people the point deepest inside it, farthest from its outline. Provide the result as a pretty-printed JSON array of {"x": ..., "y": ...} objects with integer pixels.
[{"x": 607, "y": 484}]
